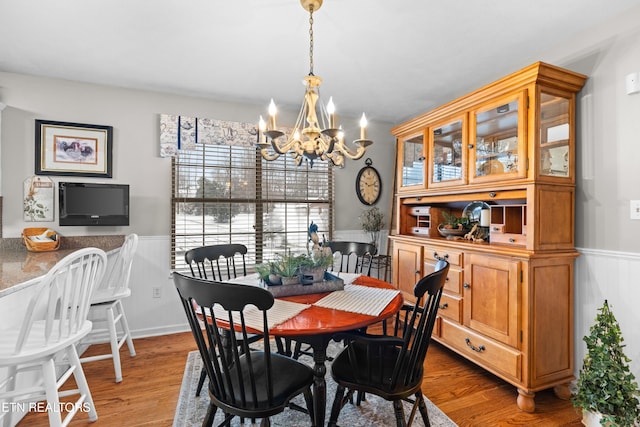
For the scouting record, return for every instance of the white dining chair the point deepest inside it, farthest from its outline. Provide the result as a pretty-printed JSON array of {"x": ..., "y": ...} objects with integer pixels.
[
  {"x": 106, "y": 308},
  {"x": 55, "y": 321}
]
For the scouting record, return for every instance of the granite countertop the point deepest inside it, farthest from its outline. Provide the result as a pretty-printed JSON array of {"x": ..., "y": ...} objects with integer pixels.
[{"x": 20, "y": 268}]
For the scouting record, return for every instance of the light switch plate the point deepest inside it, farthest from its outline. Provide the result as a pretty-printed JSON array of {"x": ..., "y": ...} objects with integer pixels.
[{"x": 635, "y": 209}]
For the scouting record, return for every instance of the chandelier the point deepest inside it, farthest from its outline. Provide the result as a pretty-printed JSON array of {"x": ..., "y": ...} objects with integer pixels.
[{"x": 315, "y": 134}]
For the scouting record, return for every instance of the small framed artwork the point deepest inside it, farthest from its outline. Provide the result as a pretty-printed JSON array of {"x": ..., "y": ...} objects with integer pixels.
[
  {"x": 39, "y": 192},
  {"x": 73, "y": 149}
]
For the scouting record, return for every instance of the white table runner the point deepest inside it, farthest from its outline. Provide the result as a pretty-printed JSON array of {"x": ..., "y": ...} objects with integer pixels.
[
  {"x": 359, "y": 299},
  {"x": 250, "y": 279},
  {"x": 347, "y": 278},
  {"x": 280, "y": 312}
]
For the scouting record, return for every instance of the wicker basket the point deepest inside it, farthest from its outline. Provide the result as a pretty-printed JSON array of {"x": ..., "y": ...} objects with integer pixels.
[{"x": 34, "y": 246}]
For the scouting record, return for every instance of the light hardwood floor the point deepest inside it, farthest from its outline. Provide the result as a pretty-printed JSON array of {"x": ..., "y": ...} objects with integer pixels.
[{"x": 148, "y": 394}]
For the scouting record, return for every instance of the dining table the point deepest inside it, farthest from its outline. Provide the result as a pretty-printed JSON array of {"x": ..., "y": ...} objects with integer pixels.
[{"x": 315, "y": 318}]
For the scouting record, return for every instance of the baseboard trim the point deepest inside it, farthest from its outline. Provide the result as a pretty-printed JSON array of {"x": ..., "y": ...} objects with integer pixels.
[{"x": 163, "y": 330}]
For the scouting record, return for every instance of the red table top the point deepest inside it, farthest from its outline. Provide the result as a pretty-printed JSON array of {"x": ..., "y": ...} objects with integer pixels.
[{"x": 320, "y": 320}]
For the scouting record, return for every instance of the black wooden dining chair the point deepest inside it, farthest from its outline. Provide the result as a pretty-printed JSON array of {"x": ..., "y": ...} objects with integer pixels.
[
  {"x": 355, "y": 257},
  {"x": 242, "y": 383},
  {"x": 219, "y": 263},
  {"x": 388, "y": 366}
]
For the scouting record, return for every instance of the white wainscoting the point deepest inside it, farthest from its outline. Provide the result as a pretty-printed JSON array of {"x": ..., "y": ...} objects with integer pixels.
[
  {"x": 146, "y": 315},
  {"x": 600, "y": 275},
  {"x": 614, "y": 276}
]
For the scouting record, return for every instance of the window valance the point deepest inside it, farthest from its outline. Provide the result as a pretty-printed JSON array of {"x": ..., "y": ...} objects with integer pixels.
[{"x": 183, "y": 133}]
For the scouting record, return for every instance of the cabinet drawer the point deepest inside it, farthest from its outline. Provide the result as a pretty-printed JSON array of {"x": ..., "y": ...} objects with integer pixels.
[
  {"x": 420, "y": 210},
  {"x": 434, "y": 254},
  {"x": 497, "y": 228},
  {"x": 509, "y": 239},
  {"x": 453, "y": 283},
  {"x": 493, "y": 355},
  {"x": 421, "y": 231},
  {"x": 451, "y": 307}
]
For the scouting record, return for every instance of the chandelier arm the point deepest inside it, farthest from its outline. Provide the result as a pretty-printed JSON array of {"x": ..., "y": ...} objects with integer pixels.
[
  {"x": 341, "y": 147},
  {"x": 335, "y": 158},
  {"x": 282, "y": 148},
  {"x": 265, "y": 155},
  {"x": 324, "y": 119},
  {"x": 291, "y": 141}
]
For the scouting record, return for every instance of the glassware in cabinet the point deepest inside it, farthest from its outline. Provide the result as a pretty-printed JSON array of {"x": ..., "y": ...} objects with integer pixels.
[
  {"x": 499, "y": 131},
  {"x": 448, "y": 153},
  {"x": 411, "y": 169}
]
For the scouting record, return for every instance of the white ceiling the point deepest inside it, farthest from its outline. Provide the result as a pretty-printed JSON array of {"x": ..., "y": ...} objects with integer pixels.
[{"x": 391, "y": 58}]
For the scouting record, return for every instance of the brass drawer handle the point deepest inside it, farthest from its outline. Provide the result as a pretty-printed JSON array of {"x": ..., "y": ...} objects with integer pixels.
[
  {"x": 443, "y": 306},
  {"x": 440, "y": 258},
  {"x": 479, "y": 349}
]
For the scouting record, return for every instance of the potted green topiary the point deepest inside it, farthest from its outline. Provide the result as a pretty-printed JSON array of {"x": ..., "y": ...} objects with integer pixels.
[
  {"x": 263, "y": 270},
  {"x": 315, "y": 263},
  {"x": 372, "y": 221},
  {"x": 287, "y": 268},
  {"x": 606, "y": 386}
]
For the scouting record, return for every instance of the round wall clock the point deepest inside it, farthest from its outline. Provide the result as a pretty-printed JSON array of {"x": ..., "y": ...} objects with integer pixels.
[{"x": 368, "y": 184}]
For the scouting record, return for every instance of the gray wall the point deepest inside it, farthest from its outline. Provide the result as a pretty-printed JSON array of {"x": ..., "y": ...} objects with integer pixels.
[
  {"x": 134, "y": 117},
  {"x": 608, "y": 150}
]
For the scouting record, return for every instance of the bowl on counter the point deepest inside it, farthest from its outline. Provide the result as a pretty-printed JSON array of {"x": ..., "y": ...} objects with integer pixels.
[{"x": 447, "y": 232}]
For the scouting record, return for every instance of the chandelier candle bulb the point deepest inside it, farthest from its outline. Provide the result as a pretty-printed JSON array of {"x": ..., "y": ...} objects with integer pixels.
[
  {"x": 331, "y": 109},
  {"x": 363, "y": 127},
  {"x": 272, "y": 115}
]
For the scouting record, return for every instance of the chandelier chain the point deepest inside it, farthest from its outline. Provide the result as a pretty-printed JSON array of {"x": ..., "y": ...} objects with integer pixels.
[{"x": 311, "y": 40}]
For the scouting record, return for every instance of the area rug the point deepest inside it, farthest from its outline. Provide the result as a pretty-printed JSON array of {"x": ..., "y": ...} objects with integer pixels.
[{"x": 375, "y": 411}]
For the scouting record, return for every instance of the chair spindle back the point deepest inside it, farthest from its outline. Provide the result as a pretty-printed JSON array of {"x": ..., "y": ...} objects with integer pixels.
[
  {"x": 217, "y": 262},
  {"x": 355, "y": 257},
  {"x": 65, "y": 294}
]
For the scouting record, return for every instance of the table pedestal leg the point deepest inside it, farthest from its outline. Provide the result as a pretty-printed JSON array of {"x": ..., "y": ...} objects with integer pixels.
[{"x": 319, "y": 385}]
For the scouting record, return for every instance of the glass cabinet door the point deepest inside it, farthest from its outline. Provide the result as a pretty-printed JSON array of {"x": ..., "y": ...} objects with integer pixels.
[
  {"x": 499, "y": 132},
  {"x": 555, "y": 149},
  {"x": 448, "y": 153},
  {"x": 412, "y": 167}
]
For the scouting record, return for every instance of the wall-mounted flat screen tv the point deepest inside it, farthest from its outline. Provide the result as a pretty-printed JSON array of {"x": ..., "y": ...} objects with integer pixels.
[{"x": 93, "y": 204}]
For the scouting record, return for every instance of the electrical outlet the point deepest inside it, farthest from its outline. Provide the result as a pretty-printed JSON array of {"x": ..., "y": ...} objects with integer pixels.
[
  {"x": 156, "y": 292},
  {"x": 635, "y": 209}
]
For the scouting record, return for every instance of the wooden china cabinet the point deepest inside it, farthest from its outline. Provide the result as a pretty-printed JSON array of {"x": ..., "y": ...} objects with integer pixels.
[{"x": 508, "y": 148}]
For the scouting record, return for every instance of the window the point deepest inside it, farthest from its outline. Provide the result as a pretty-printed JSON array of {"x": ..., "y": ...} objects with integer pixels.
[{"x": 229, "y": 194}]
